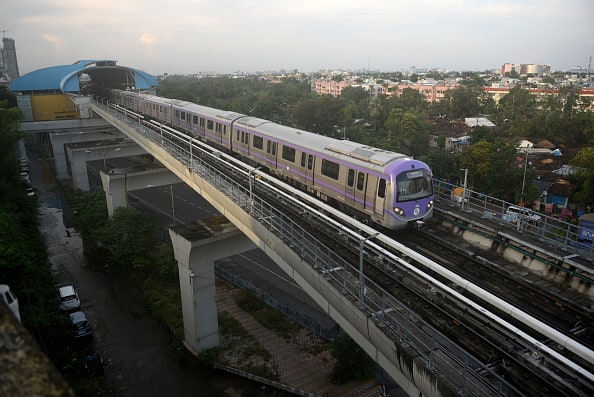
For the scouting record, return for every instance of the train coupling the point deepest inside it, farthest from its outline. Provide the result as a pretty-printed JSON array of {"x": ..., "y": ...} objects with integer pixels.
[{"x": 419, "y": 225}]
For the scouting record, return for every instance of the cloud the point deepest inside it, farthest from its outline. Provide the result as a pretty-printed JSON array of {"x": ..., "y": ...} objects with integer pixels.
[
  {"x": 148, "y": 39},
  {"x": 57, "y": 41}
]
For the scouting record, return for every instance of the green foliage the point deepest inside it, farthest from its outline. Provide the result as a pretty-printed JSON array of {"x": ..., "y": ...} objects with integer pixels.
[
  {"x": 444, "y": 164},
  {"x": 129, "y": 236},
  {"x": 583, "y": 175},
  {"x": 493, "y": 170},
  {"x": 23, "y": 257},
  {"x": 209, "y": 357},
  {"x": 253, "y": 96},
  {"x": 319, "y": 114},
  {"x": 266, "y": 315},
  {"x": 90, "y": 209},
  {"x": 352, "y": 363},
  {"x": 467, "y": 100},
  {"x": 401, "y": 123}
]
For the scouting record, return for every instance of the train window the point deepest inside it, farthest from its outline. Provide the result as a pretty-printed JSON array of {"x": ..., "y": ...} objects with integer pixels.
[
  {"x": 224, "y": 130},
  {"x": 201, "y": 122},
  {"x": 183, "y": 116},
  {"x": 237, "y": 135},
  {"x": 310, "y": 162},
  {"x": 381, "y": 188},
  {"x": 268, "y": 147},
  {"x": 209, "y": 124},
  {"x": 176, "y": 114},
  {"x": 288, "y": 153},
  {"x": 247, "y": 138},
  {"x": 303, "y": 156},
  {"x": 258, "y": 142},
  {"x": 242, "y": 137},
  {"x": 274, "y": 148},
  {"x": 360, "y": 180},
  {"x": 330, "y": 169},
  {"x": 194, "y": 119},
  {"x": 413, "y": 185},
  {"x": 351, "y": 178}
]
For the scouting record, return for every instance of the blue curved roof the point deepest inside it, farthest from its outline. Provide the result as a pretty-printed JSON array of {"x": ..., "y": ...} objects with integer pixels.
[{"x": 64, "y": 78}]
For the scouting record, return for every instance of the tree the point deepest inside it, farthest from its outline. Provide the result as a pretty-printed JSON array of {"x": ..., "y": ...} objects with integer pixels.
[
  {"x": 443, "y": 164},
  {"x": 492, "y": 169},
  {"x": 583, "y": 175},
  {"x": 90, "y": 209},
  {"x": 515, "y": 110},
  {"x": 129, "y": 236},
  {"x": 352, "y": 363},
  {"x": 411, "y": 100}
]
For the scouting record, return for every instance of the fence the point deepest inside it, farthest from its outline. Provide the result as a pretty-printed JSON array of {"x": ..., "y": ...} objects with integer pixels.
[{"x": 554, "y": 231}]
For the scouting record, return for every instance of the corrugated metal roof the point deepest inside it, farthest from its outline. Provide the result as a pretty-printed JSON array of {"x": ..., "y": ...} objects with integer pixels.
[{"x": 64, "y": 78}]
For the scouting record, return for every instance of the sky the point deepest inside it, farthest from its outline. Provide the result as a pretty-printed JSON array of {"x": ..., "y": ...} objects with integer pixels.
[{"x": 226, "y": 36}]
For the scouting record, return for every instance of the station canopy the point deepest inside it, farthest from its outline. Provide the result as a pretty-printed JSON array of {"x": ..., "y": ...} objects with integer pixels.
[{"x": 88, "y": 77}]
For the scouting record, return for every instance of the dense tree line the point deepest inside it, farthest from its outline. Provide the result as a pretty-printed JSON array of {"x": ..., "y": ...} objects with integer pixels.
[
  {"x": 24, "y": 263},
  {"x": 403, "y": 124}
]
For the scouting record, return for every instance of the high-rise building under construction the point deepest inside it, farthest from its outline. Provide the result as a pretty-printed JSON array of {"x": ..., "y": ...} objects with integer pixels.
[{"x": 9, "y": 67}]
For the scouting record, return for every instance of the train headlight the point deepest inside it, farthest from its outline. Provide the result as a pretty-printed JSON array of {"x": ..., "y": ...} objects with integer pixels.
[
  {"x": 429, "y": 204},
  {"x": 399, "y": 211}
]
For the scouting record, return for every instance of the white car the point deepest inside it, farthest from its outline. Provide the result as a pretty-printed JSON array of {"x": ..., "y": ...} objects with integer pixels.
[
  {"x": 10, "y": 300},
  {"x": 516, "y": 212},
  {"x": 68, "y": 298}
]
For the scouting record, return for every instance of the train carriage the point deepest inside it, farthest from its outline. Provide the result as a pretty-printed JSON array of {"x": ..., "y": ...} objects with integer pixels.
[{"x": 376, "y": 185}]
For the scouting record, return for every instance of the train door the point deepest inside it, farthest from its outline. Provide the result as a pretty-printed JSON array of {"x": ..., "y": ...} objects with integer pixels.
[
  {"x": 349, "y": 192},
  {"x": 380, "y": 196},
  {"x": 360, "y": 190},
  {"x": 306, "y": 168},
  {"x": 271, "y": 154}
]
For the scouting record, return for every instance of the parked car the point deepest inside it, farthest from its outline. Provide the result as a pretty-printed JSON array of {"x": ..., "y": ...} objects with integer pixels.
[
  {"x": 10, "y": 300},
  {"x": 93, "y": 364},
  {"x": 517, "y": 213},
  {"x": 68, "y": 298},
  {"x": 25, "y": 176},
  {"x": 81, "y": 327}
]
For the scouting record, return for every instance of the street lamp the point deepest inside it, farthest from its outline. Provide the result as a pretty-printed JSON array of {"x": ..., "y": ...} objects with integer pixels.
[
  {"x": 104, "y": 160},
  {"x": 361, "y": 274},
  {"x": 172, "y": 201},
  {"x": 524, "y": 178},
  {"x": 251, "y": 186},
  {"x": 172, "y": 205},
  {"x": 464, "y": 186}
]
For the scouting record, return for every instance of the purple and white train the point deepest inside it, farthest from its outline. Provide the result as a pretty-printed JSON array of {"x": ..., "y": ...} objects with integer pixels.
[{"x": 371, "y": 184}]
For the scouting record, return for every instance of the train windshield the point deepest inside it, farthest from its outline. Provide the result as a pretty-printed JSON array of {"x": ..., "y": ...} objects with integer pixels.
[{"x": 413, "y": 185}]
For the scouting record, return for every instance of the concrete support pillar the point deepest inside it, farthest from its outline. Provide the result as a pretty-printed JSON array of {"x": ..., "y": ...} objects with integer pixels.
[
  {"x": 114, "y": 186},
  {"x": 81, "y": 154},
  {"x": 60, "y": 140},
  {"x": 117, "y": 182},
  {"x": 196, "y": 249}
]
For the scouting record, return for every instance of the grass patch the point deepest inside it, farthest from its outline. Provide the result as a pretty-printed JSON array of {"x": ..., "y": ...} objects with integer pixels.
[{"x": 267, "y": 316}]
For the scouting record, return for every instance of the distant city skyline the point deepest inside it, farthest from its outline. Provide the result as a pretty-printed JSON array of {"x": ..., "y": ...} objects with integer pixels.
[{"x": 192, "y": 36}]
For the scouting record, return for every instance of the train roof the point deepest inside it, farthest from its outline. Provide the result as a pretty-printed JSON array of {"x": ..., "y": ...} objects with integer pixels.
[
  {"x": 365, "y": 156},
  {"x": 330, "y": 146}
]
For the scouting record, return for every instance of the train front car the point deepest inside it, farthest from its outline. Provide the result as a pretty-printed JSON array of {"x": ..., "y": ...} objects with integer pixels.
[{"x": 412, "y": 194}]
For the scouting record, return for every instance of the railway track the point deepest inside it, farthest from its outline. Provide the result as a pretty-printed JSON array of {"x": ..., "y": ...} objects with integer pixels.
[
  {"x": 497, "y": 349},
  {"x": 530, "y": 292},
  {"x": 500, "y": 354}
]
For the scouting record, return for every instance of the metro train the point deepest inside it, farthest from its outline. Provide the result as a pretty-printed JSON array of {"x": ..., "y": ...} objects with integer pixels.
[{"x": 370, "y": 184}]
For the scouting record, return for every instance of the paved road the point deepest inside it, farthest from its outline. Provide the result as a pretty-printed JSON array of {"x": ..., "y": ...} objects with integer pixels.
[{"x": 139, "y": 360}]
